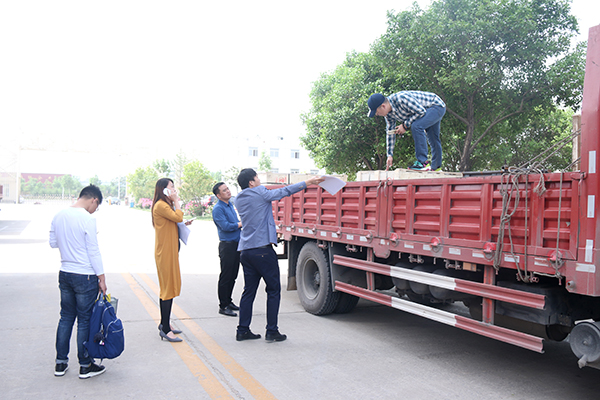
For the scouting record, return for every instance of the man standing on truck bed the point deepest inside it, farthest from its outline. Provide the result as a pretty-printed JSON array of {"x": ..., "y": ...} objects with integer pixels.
[
  {"x": 259, "y": 260},
  {"x": 422, "y": 112}
]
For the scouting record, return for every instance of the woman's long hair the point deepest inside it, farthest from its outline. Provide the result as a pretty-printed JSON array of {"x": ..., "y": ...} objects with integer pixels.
[{"x": 161, "y": 184}]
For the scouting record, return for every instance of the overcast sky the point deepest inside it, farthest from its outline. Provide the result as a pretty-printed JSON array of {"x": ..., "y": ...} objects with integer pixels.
[{"x": 121, "y": 83}]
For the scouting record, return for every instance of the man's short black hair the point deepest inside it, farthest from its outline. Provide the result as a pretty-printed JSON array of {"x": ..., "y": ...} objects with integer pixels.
[
  {"x": 216, "y": 189},
  {"x": 246, "y": 175},
  {"x": 91, "y": 192}
]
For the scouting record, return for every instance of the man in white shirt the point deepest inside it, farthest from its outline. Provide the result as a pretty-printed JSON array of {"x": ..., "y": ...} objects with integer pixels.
[{"x": 81, "y": 277}]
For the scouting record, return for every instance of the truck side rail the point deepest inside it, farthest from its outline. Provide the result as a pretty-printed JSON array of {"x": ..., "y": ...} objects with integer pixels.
[
  {"x": 516, "y": 338},
  {"x": 493, "y": 292}
]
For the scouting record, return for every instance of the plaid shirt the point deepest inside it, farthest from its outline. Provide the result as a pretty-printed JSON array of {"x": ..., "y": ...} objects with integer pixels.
[{"x": 408, "y": 106}]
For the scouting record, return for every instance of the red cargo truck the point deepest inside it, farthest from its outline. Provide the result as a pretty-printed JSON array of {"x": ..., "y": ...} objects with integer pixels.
[{"x": 518, "y": 249}]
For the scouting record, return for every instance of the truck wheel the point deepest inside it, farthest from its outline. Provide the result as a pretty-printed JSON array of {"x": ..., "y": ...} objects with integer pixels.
[
  {"x": 346, "y": 303},
  {"x": 314, "y": 281}
]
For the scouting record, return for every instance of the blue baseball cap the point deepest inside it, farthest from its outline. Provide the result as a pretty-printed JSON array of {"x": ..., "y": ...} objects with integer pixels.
[{"x": 374, "y": 102}]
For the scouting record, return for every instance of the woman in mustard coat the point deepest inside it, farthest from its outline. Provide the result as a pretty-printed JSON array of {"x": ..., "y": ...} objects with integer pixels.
[{"x": 166, "y": 213}]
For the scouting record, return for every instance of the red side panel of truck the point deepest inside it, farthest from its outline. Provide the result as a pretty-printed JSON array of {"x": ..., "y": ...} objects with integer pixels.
[{"x": 519, "y": 249}]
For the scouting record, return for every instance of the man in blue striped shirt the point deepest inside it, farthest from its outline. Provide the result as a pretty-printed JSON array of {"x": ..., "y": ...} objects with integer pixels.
[{"x": 422, "y": 113}]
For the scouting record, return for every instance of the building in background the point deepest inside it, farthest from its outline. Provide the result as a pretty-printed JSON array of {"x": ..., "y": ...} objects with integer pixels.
[{"x": 285, "y": 151}]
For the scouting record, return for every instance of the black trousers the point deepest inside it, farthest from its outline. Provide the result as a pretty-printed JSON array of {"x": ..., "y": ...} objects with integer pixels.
[{"x": 230, "y": 266}]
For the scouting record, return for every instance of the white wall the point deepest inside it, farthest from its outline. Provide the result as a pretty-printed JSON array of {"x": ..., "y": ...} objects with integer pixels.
[{"x": 283, "y": 162}]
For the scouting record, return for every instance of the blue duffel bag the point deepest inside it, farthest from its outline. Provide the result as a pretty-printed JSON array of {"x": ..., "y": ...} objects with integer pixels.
[{"x": 107, "y": 338}]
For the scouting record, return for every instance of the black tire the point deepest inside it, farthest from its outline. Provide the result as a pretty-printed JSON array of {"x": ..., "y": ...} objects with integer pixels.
[
  {"x": 346, "y": 303},
  {"x": 313, "y": 279},
  {"x": 557, "y": 333}
]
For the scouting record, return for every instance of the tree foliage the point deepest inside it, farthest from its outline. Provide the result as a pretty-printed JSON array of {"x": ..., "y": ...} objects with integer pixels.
[
  {"x": 64, "y": 185},
  {"x": 197, "y": 182},
  {"x": 33, "y": 186},
  {"x": 526, "y": 137},
  {"x": 264, "y": 162},
  {"x": 230, "y": 177},
  {"x": 162, "y": 167},
  {"x": 142, "y": 182},
  {"x": 94, "y": 180},
  {"x": 498, "y": 64},
  {"x": 68, "y": 185},
  {"x": 339, "y": 136},
  {"x": 177, "y": 165}
]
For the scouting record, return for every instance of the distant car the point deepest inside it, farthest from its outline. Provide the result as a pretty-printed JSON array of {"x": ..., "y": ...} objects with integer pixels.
[
  {"x": 208, "y": 201},
  {"x": 114, "y": 201}
]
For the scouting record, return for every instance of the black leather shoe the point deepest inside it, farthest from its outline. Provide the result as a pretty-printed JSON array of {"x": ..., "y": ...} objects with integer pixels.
[
  {"x": 239, "y": 336},
  {"x": 275, "y": 337},
  {"x": 233, "y": 307},
  {"x": 227, "y": 311}
]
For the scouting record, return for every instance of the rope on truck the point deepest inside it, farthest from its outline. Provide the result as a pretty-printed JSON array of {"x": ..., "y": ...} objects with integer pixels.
[{"x": 511, "y": 193}]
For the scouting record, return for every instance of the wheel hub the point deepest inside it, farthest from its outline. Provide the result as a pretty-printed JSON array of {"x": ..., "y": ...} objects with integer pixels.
[{"x": 317, "y": 279}]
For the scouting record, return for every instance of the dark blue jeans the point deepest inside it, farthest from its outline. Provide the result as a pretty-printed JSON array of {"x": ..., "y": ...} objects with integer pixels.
[
  {"x": 78, "y": 294},
  {"x": 260, "y": 263},
  {"x": 427, "y": 128}
]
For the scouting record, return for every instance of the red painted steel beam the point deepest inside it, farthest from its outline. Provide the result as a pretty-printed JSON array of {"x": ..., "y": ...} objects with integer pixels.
[
  {"x": 520, "y": 297},
  {"x": 488, "y": 306},
  {"x": 516, "y": 338}
]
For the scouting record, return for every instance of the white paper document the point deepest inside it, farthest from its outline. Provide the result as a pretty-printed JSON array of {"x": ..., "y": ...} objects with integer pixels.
[
  {"x": 184, "y": 232},
  {"x": 332, "y": 184}
]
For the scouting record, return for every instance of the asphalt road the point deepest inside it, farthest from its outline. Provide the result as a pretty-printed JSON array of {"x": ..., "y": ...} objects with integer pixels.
[{"x": 373, "y": 352}]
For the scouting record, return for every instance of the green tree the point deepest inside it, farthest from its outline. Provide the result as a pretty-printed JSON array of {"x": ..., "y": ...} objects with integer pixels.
[
  {"x": 162, "y": 167},
  {"x": 68, "y": 185},
  {"x": 339, "y": 136},
  {"x": 196, "y": 182},
  {"x": 178, "y": 165},
  {"x": 500, "y": 65},
  {"x": 217, "y": 175},
  {"x": 32, "y": 187},
  {"x": 230, "y": 177},
  {"x": 142, "y": 182},
  {"x": 95, "y": 181},
  {"x": 264, "y": 162},
  {"x": 492, "y": 61},
  {"x": 526, "y": 137}
]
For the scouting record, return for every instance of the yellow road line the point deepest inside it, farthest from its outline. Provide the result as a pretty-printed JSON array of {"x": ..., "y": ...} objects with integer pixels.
[
  {"x": 258, "y": 391},
  {"x": 209, "y": 382}
]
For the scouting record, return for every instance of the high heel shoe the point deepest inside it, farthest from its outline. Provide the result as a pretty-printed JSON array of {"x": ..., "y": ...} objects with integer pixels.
[
  {"x": 175, "y": 331},
  {"x": 165, "y": 336}
]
